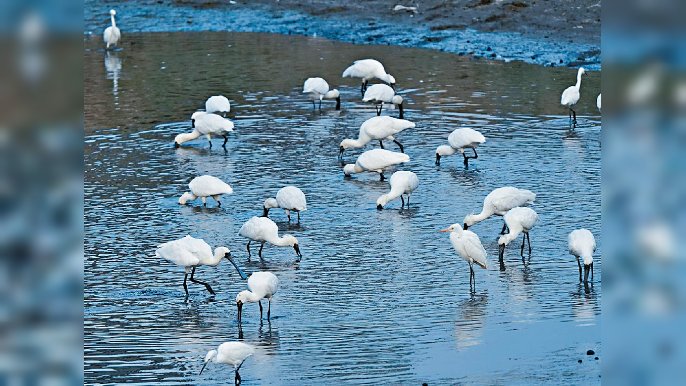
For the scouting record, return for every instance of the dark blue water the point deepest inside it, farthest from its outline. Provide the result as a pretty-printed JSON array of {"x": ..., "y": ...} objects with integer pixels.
[{"x": 380, "y": 296}]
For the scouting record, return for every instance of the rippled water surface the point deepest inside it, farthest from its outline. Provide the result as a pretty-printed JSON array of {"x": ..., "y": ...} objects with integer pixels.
[{"x": 380, "y": 296}]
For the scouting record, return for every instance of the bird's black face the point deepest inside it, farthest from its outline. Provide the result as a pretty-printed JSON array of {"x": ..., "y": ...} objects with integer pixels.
[
  {"x": 227, "y": 255},
  {"x": 297, "y": 250},
  {"x": 401, "y": 113},
  {"x": 265, "y": 212},
  {"x": 465, "y": 226},
  {"x": 176, "y": 145},
  {"x": 379, "y": 207},
  {"x": 438, "y": 159},
  {"x": 193, "y": 123},
  {"x": 239, "y": 305},
  {"x": 338, "y": 103}
]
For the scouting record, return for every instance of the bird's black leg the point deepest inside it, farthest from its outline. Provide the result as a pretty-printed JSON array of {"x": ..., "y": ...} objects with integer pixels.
[
  {"x": 378, "y": 109},
  {"x": 528, "y": 241},
  {"x": 261, "y": 246},
  {"x": 269, "y": 309},
  {"x": 402, "y": 200},
  {"x": 238, "y": 378},
  {"x": 249, "y": 249},
  {"x": 579, "y": 264},
  {"x": 591, "y": 271},
  {"x": 381, "y": 143},
  {"x": 574, "y": 119},
  {"x": 471, "y": 273},
  {"x": 382, "y": 177},
  {"x": 313, "y": 105},
  {"x": 466, "y": 160},
  {"x": 260, "y": 303},
  {"x": 362, "y": 89},
  {"x": 521, "y": 252},
  {"x": 209, "y": 289},
  {"x": 502, "y": 231},
  {"x": 408, "y": 201},
  {"x": 400, "y": 145},
  {"x": 320, "y": 104},
  {"x": 289, "y": 217},
  {"x": 185, "y": 287},
  {"x": 226, "y": 138},
  {"x": 475, "y": 155},
  {"x": 298, "y": 216}
]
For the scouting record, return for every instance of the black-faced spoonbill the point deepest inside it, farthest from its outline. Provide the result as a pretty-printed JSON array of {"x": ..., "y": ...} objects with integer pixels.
[
  {"x": 402, "y": 182},
  {"x": 318, "y": 89},
  {"x": 288, "y": 198},
  {"x": 582, "y": 245},
  {"x": 218, "y": 104},
  {"x": 230, "y": 353},
  {"x": 459, "y": 140},
  {"x": 206, "y": 124},
  {"x": 571, "y": 95},
  {"x": 375, "y": 160},
  {"x": 206, "y": 186},
  {"x": 377, "y": 128},
  {"x": 264, "y": 230},
  {"x": 468, "y": 247},
  {"x": 262, "y": 285},
  {"x": 380, "y": 94},
  {"x": 499, "y": 202},
  {"x": 368, "y": 69},
  {"x": 112, "y": 34},
  {"x": 518, "y": 220},
  {"x": 190, "y": 253}
]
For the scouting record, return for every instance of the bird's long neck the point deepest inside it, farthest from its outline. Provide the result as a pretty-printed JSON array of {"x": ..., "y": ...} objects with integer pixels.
[
  {"x": 253, "y": 297},
  {"x": 114, "y": 24},
  {"x": 279, "y": 241},
  {"x": 485, "y": 212},
  {"x": 360, "y": 141},
  {"x": 395, "y": 192},
  {"x": 188, "y": 136},
  {"x": 511, "y": 235},
  {"x": 578, "y": 80},
  {"x": 216, "y": 258}
]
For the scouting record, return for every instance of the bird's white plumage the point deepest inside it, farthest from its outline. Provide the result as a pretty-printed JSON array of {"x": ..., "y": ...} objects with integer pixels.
[
  {"x": 379, "y": 93},
  {"x": 112, "y": 34},
  {"x": 263, "y": 229},
  {"x": 316, "y": 86},
  {"x": 582, "y": 245},
  {"x": 263, "y": 284},
  {"x": 570, "y": 96},
  {"x": 597, "y": 102},
  {"x": 188, "y": 252},
  {"x": 465, "y": 137},
  {"x": 518, "y": 220},
  {"x": 402, "y": 182},
  {"x": 234, "y": 353},
  {"x": 500, "y": 201},
  {"x": 217, "y": 104},
  {"x": 368, "y": 69},
  {"x": 376, "y": 160},
  {"x": 468, "y": 246},
  {"x": 205, "y": 186},
  {"x": 291, "y": 198},
  {"x": 208, "y": 123},
  {"x": 377, "y": 128}
]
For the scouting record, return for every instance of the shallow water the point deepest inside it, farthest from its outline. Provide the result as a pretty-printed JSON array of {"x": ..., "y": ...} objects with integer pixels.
[{"x": 380, "y": 296}]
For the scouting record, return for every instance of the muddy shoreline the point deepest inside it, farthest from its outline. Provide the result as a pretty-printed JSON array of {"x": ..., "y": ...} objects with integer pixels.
[{"x": 549, "y": 33}]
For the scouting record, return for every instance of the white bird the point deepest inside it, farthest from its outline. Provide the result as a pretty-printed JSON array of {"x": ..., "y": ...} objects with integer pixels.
[
  {"x": 582, "y": 245},
  {"x": 518, "y": 220},
  {"x": 288, "y": 198},
  {"x": 375, "y": 160},
  {"x": 380, "y": 94},
  {"x": 112, "y": 34},
  {"x": 264, "y": 230},
  {"x": 597, "y": 102},
  {"x": 190, "y": 253},
  {"x": 459, "y": 140},
  {"x": 368, "y": 69},
  {"x": 499, "y": 202},
  {"x": 571, "y": 95},
  {"x": 262, "y": 285},
  {"x": 399, "y": 7},
  {"x": 206, "y": 124},
  {"x": 218, "y": 104},
  {"x": 230, "y": 353},
  {"x": 205, "y": 186},
  {"x": 377, "y": 128},
  {"x": 319, "y": 89},
  {"x": 402, "y": 182},
  {"x": 468, "y": 246}
]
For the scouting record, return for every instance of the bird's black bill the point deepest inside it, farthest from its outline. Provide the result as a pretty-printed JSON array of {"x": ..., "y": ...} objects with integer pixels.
[
  {"x": 379, "y": 207},
  {"x": 401, "y": 114},
  {"x": 239, "y": 305},
  {"x": 393, "y": 86},
  {"x": 297, "y": 250},
  {"x": 265, "y": 212},
  {"x": 176, "y": 145},
  {"x": 338, "y": 103},
  {"x": 203, "y": 367},
  {"x": 193, "y": 123},
  {"x": 465, "y": 227},
  {"x": 240, "y": 271}
]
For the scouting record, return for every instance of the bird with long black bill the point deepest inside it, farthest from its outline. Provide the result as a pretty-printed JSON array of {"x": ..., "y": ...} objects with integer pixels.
[
  {"x": 518, "y": 220},
  {"x": 261, "y": 285},
  {"x": 264, "y": 230},
  {"x": 230, "y": 353},
  {"x": 582, "y": 245}
]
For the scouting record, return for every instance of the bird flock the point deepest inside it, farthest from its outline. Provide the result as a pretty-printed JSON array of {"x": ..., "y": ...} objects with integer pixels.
[{"x": 511, "y": 203}]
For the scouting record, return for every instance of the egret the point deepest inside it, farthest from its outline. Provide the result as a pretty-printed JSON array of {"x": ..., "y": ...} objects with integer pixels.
[
  {"x": 380, "y": 94},
  {"x": 368, "y": 69},
  {"x": 319, "y": 89},
  {"x": 498, "y": 202},
  {"x": 377, "y": 128},
  {"x": 206, "y": 124},
  {"x": 262, "y": 285},
  {"x": 582, "y": 245},
  {"x": 190, "y": 253},
  {"x": 518, "y": 220},
  {"x": 375, "y": 160},
  {"x": 289, "y": 198},
  {"x": 468, "y": 247},
  {"x": 230, "y": 353},
  {"x": 571, "y": 95},
  {"x": 402, "y": 182},
  {"x": 459, "y": 140},
  {"x": 206, "y": 186},
  {"x": 264, "y": 230},
  {"x": 218, "y": 104},
  {"x": 112, "y": 34}
]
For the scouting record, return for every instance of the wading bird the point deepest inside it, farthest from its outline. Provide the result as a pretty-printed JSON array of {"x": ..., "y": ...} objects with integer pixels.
[
  {"x": 230, "y": 353},
  {"x": 459, "y": 140},
  {"x": 112, "y": 34},
  {"x": 190, "y": 253},
  {"x": 499, "y": 202},
  {"x": 468, "y": 247},
  {"x": 218, "y": 104},
  {"x": 571, "y": 95},
  {"x": 375, "y": 160},
  {"x": 518, "y": 220},
  {"x": 206, "y": 124},
  {"x": 264, "y": 230},
  {"x": 288, "y": 198},
  {"x": 368, "y": 69},
  {"x": 262, "y": 285},
  {"x": 402, "y": 182},
  {"x": 206, "y": 186},
  {"x": 377, "y": 128},
  {"x": 582, "y": 245},
  {"x": 319, "y": 89},
  {"x": 379, "y": 94}
]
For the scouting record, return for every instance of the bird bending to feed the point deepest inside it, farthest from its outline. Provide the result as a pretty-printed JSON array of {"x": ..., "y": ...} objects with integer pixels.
[
  {"x": 288, "y": 198},
  {"x": 375, "y": 160},
  {"x": 218, "y": 104},
  {"x": 206, "y": 124},
  {"x": 402, "y": 182},
  {"x": 368, "y": 69},
  {"x": 190, "y": 253},
  {"x": 230, "y": 353},
  {"x": 597, "y": 102},
  {"x": 582, "y": 245},
  {"x": 518, "y": 220},
  {"x": 499, "y": 202},
  {"x": 264, "y": 230},
  {"x": 377, "y": 128},
  {"x": 468, "y": 246},
  {"x": 262, "y": 285},
  {"x": 206, "y": 186},
  {"x": 319, "y": 89},
  {"x": 380, "y": 94},
  {"x": 571, "y": 95},
  {"x": 459, "y": 140},
  {"x": 112, "y": 34}
]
